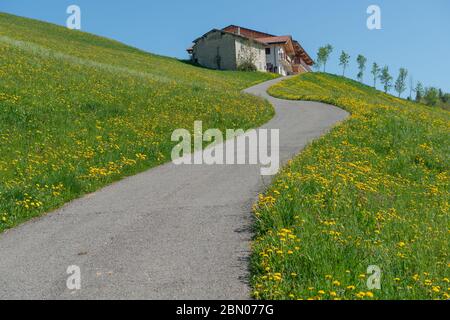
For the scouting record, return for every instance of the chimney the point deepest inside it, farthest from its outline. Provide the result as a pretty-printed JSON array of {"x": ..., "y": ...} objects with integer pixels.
[{"x": 239, "y": 30}]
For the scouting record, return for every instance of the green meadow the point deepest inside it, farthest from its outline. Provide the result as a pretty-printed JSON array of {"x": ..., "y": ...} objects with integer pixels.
[
  {"x": 375, "y": 191},
  {"x": 78, "y": 112}
]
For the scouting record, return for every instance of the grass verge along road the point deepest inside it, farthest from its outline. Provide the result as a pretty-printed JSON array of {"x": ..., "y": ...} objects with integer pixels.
[{"x": 373, "y": 192}]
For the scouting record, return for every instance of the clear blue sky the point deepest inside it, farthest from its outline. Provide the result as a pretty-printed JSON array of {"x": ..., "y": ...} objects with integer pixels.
[{"x": 415, "y": 33}]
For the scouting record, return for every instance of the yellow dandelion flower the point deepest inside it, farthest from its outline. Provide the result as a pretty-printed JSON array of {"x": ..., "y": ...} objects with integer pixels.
[{"x": 336, "y": 283}]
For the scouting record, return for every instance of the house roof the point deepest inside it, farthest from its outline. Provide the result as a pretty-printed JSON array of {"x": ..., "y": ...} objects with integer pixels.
[
  {"x": 226, "y": 32},
  {"x": 268, "y": 39},
  {"x": 275, "y": 39},
  {"x": 286, "y": 41},
  {"x": 255, "y": 33},
  {"x": 303, "y": 53}
]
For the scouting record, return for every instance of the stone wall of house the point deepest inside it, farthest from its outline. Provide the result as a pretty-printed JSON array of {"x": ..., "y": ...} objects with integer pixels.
[
  {"x": 246, "y": 48},
  {"x": 216, "y": 51}
]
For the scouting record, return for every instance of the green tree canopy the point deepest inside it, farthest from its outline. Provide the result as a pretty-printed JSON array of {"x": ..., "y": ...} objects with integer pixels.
[
  {"x": 431, "y": 96},
  {"x": 375, "y": 73},
  {"x": 323, "y": 55},
  {"x": 361, "y": 60},
  {"x": 386, "y": 79},
  {"x": 344, "y": 60},
  {"x": 400, "y": 83},
  {"x": 419, "y": 91}
]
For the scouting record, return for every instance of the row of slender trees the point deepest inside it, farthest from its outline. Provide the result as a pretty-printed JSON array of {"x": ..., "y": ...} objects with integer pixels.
[{"x": 430, "y": 95}]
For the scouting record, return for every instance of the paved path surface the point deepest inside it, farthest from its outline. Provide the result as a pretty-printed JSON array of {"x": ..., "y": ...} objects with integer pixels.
[{"x": 173, "y": 232}]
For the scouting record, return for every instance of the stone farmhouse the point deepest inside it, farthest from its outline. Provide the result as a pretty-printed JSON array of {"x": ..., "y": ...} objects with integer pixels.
[{"x": 227, "y": 48}]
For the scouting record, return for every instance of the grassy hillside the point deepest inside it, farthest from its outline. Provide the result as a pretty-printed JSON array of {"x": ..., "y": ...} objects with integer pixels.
[
  {"x": 445, "y": 106},
  {"x": 79, "y": 111},
  {"x": 374, "y": 191}
]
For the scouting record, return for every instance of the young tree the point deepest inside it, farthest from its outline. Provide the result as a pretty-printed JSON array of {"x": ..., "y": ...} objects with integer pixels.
[
  {"x": 431, "y": 96},
  {"x": 386, "y": 79},
  {"x": 316, "y": 66},
  {"x": 400, "y": 84},
  {"x": 441, "y": 95},
  {"x": 361, "y": 67},
  {"x": 344, "y": 60},
  {"x": 446, "y": 98},
  {"x": 323, "y": 55},
  {"x": 419, "y": 92},
  {"x": 411, "y": 87},
  {"x": 376, "y": 74}
]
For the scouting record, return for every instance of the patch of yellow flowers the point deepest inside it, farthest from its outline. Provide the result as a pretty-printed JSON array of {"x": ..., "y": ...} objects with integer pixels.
[
  {"x": 374, "y": 191},
  {"x": 79, "y": 112}
]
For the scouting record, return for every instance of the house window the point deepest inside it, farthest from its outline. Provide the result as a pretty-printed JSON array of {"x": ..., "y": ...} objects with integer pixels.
[{"x": 267, "y": 50}]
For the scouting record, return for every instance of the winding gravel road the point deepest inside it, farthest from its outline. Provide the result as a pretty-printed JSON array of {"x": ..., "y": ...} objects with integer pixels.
[{"x": 173, "y": 232}]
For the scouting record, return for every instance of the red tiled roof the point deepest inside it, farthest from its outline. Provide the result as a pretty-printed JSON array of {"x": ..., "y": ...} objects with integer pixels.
[
  {"x": 270, "y": 40},
  {"x": 247, "y": 32}
]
